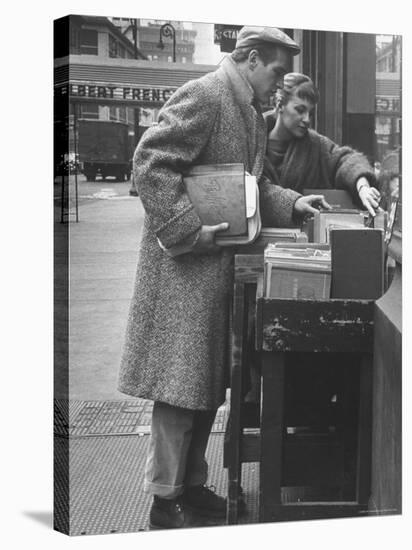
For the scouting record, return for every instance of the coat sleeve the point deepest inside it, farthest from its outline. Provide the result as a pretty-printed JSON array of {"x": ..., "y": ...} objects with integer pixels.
[
  {"x": 165, "y": 152},
  {"x": 345, "y": 166},
  {"x": 276, "y": 204}
]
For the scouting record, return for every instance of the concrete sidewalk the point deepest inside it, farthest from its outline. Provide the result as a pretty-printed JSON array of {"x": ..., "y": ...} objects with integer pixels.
[{"x": 103, "y": 249}]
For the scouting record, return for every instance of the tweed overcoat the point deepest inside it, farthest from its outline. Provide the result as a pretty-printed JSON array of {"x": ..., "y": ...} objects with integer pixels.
[{"x": 177, "y": 333}]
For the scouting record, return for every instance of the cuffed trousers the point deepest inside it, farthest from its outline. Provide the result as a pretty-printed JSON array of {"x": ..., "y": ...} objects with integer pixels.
[{"x": 177, "y": 447}]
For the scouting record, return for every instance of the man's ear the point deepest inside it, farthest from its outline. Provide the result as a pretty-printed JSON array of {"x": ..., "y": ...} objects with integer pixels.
[{"x": 253, "y": 59}]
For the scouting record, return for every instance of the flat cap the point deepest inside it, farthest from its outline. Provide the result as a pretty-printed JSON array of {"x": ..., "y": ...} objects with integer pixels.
[{"x": 252, "y": 36}]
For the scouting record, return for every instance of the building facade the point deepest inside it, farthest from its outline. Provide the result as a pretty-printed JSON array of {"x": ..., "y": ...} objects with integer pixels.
[
  {"x": 157, "y": 45},
  {"x": 124, "y": 69},
  {"x": 116, "y": 72}
]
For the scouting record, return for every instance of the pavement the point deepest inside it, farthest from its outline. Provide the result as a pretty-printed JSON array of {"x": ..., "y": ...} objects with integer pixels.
[
  {"x": 101, "y": 435},
  {"x": 103, "y": 249}
]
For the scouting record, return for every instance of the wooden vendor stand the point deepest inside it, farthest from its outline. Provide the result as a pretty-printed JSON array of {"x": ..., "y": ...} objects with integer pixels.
[
  {"x": 284, "y": 327},
  {"x": 299, "y": 467}
]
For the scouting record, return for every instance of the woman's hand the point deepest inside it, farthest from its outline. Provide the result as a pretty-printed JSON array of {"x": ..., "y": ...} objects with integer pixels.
[
  {"x": 310, "y": 204},
  {"x": 369, "y": 196}
]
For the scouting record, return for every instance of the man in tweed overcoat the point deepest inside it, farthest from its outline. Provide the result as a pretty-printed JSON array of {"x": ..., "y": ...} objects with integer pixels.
[{"x": 176, "y": 342}]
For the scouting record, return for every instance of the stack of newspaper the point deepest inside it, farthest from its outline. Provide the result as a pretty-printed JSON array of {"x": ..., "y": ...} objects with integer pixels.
[{"x": 297, "y": 271}]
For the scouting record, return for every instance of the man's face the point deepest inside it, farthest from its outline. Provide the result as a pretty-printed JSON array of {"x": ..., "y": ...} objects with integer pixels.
[{"x": 264, "y": 79}]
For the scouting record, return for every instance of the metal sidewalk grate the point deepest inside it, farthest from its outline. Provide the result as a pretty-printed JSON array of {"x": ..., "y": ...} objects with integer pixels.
[
  {"x": 106, "y": 484},
  {"x": 102, "y": 418}
]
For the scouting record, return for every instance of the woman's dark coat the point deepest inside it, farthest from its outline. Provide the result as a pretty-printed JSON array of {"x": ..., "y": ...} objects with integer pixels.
[{"x": 316, "y": 162}]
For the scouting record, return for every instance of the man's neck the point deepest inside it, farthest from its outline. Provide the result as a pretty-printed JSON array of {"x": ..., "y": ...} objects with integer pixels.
[
  {"x": 240, "y": 83},
  {"x": 245, "y": 72}
]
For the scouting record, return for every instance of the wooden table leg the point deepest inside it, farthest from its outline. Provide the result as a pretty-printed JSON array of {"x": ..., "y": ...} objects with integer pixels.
[
  {"x": 363, "y": 470},
  {"x": 233, "y": 432},
  {"x": 273, "y": 368},
  {"x": 348, "y": 402}
]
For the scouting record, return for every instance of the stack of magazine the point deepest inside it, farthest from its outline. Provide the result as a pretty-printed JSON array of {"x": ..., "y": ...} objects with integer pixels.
[{"x": 297, "y": 271}]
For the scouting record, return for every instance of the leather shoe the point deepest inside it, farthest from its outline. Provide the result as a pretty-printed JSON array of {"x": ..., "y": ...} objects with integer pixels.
[
  {"x": 167, "y": 514},
  {"x": 204, "y": 501}
]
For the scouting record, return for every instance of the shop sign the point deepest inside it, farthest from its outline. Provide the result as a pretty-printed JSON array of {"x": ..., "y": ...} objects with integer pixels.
[
  {"x": 117, "y": 93},
  {"x": 226, "y": 36},
  {"x": 226, "y": 33},
  {"x": 387, "y": 104}
]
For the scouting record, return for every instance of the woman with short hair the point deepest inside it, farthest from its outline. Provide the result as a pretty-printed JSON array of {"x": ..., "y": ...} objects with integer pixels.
[{"x": 300, "y": 158}]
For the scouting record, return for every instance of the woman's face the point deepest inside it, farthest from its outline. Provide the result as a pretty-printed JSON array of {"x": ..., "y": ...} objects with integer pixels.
[{"x": 295, "y": 116}]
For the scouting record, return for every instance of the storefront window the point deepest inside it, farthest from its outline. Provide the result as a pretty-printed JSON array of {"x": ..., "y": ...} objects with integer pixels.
[
  {"x": 122, "y": 114},
  {"x": 388, "y": 118},
  {"x": 89, "y": 110},
  {"x": 113, "y": 113}
]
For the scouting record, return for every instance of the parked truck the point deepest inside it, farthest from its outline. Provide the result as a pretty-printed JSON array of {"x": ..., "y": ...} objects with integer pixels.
[{"x": 104, "y": 149}]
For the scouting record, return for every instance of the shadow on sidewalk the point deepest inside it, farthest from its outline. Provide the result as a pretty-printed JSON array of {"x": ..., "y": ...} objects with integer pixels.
[{"x": 44, "y": 518}]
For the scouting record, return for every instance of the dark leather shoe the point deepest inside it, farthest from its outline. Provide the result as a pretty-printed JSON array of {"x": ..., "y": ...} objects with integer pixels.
[
  {"x": 167, "y": 514},
  {"x": 204, "y": 501}
]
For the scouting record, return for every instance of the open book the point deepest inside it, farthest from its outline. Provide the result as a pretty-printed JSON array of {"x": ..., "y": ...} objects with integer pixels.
[{"x": 226, "y": 193}]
